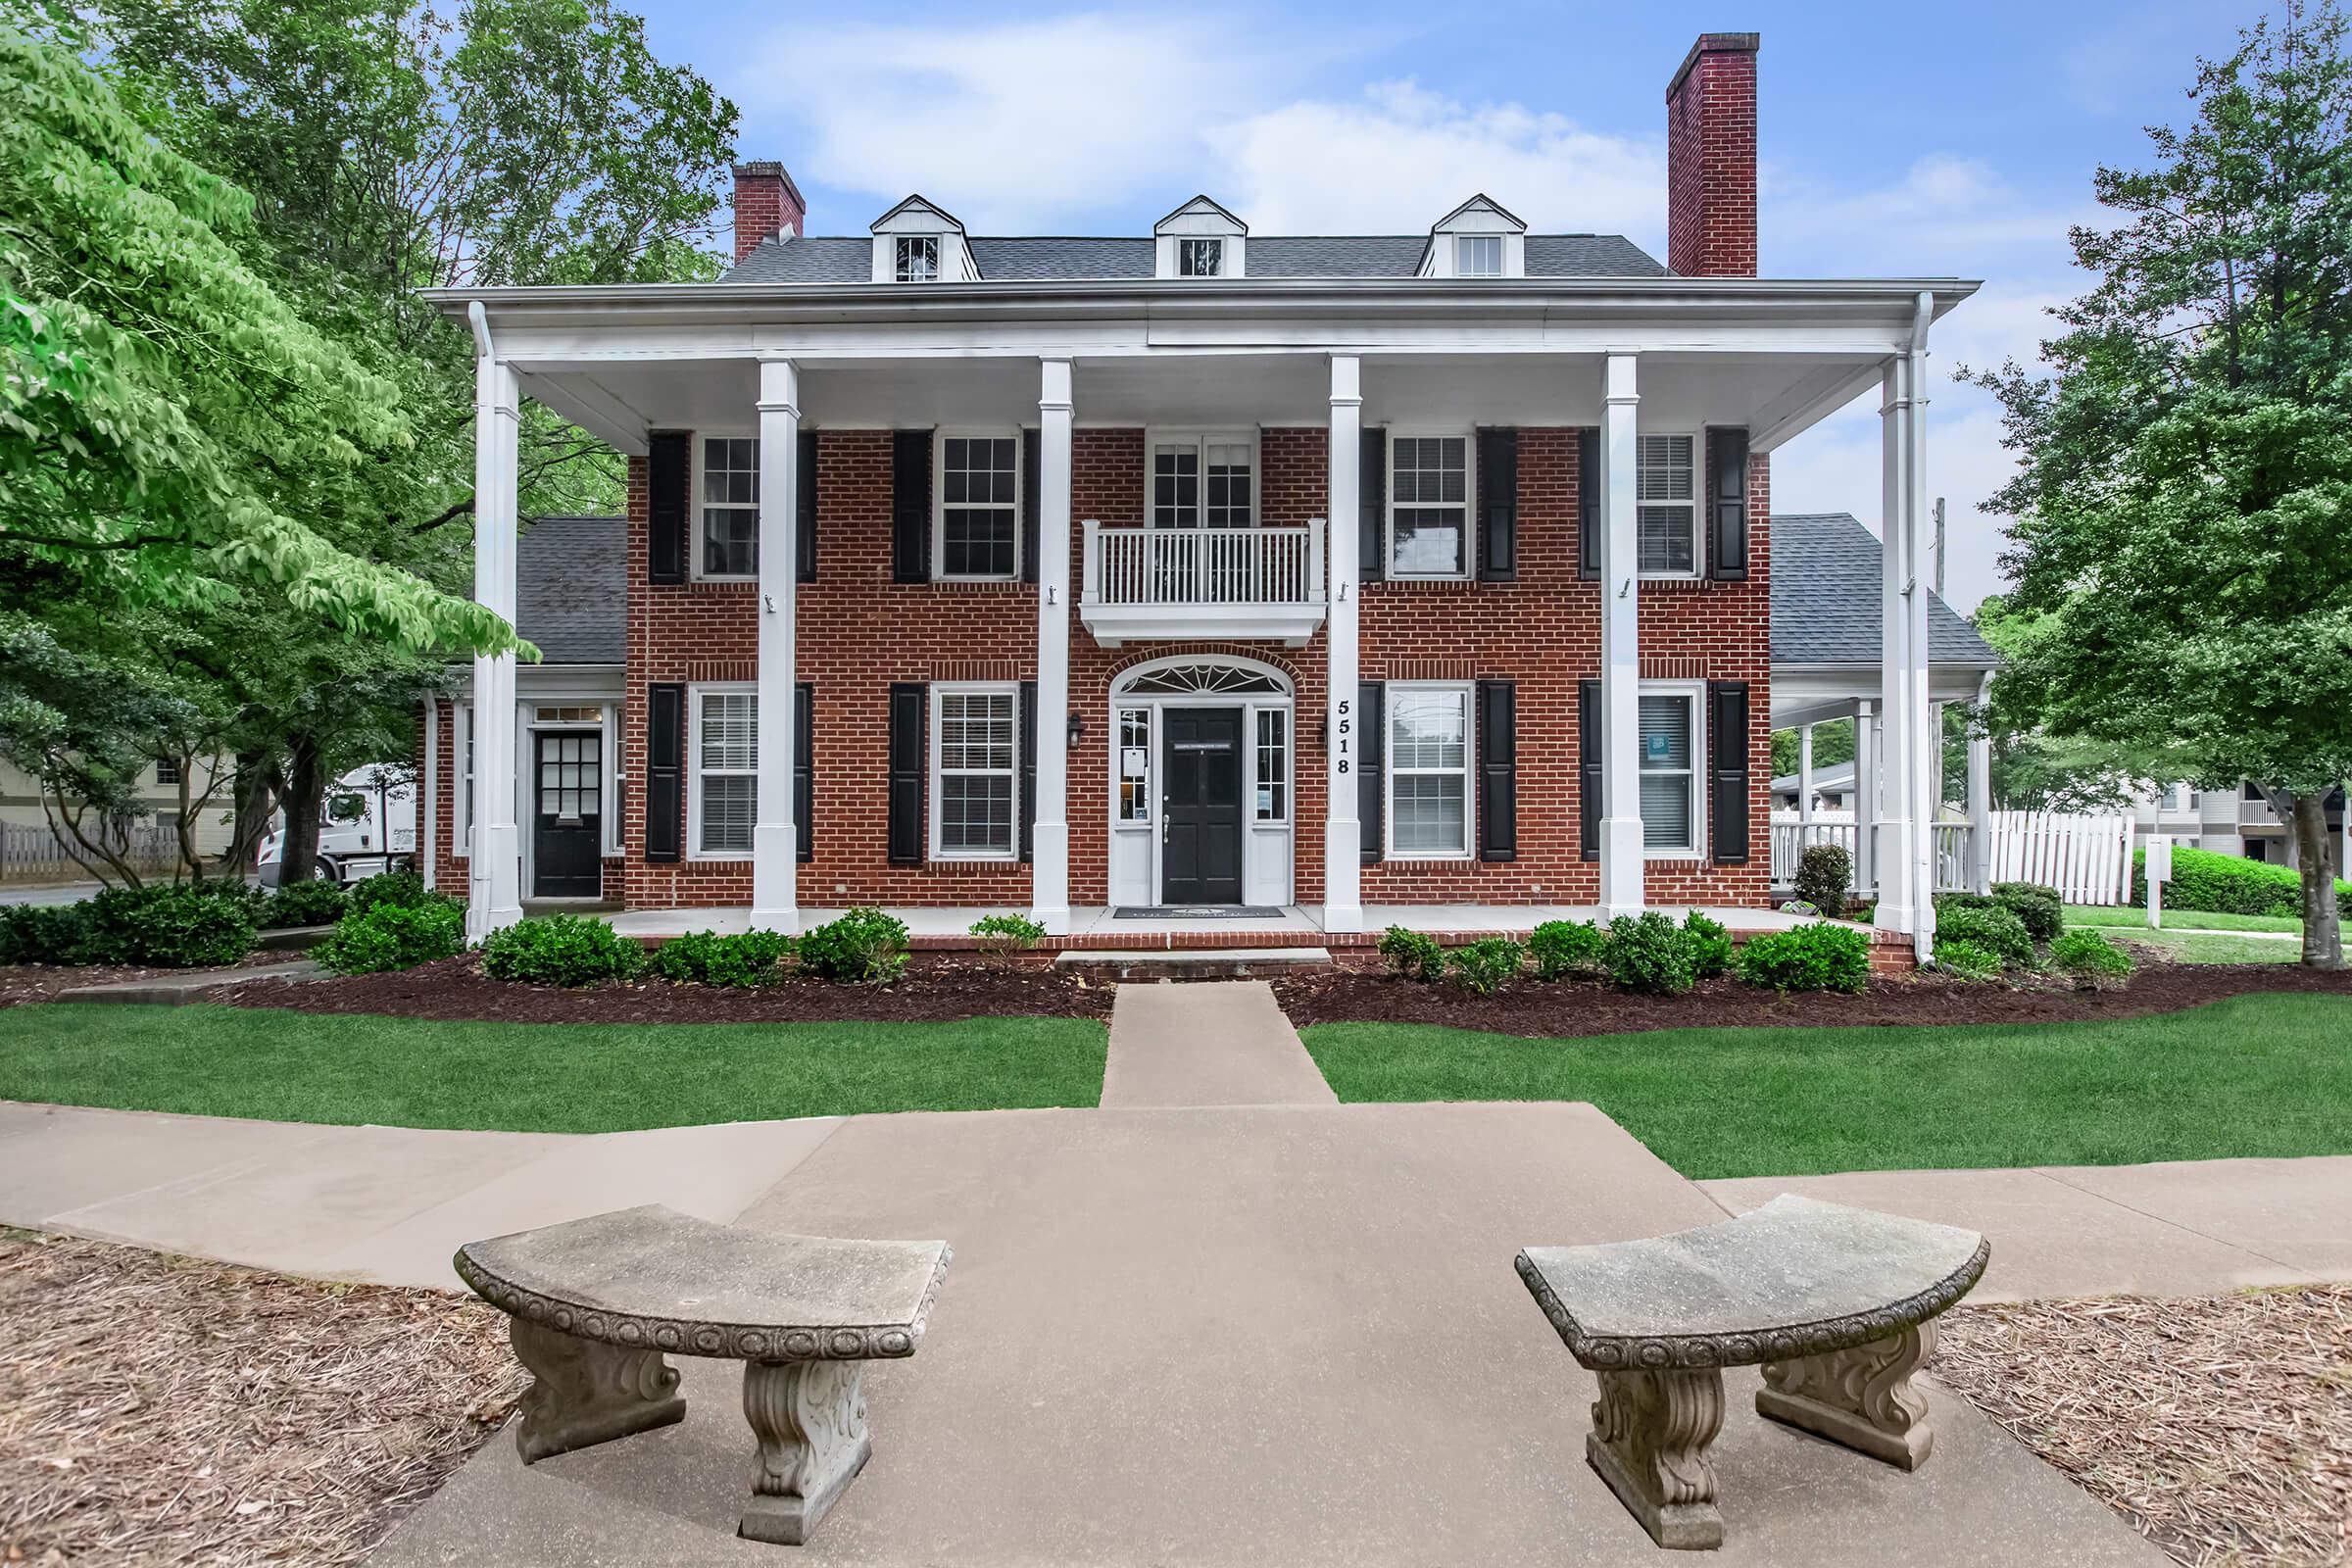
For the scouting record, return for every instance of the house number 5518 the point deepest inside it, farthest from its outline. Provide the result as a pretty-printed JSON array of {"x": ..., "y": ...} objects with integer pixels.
[{"x": 1339, "y": 752}]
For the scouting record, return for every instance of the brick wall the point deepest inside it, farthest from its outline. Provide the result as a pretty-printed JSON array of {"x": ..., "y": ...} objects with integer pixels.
[{"x": 1711, "y": 159}]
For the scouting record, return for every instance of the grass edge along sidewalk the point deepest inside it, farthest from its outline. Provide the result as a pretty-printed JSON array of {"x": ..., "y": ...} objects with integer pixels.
[
  {"x": 277, "y": 1066},
  {"x": 2267, "y": 1074}
]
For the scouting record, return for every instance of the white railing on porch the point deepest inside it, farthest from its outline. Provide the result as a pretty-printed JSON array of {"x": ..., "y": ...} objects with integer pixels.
[
  {"x": 1792, "y": 837},
  {"x": 1951, "y": 858},
  {"x": 1203, "y": 565}
]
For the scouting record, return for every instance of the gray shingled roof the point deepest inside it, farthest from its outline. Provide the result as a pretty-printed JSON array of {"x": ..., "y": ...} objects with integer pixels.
[
  {"x": 1825, "y": 597},
  {"x": 571, "y": 589},
  {"x": 834, "y": 258}
]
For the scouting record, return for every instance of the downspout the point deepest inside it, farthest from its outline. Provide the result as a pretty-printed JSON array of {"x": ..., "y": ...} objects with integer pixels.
[
  {"x": 479, "y": 319},
  {"x": 427, "y": 837},
  {"x": 1926, "y": 753}
]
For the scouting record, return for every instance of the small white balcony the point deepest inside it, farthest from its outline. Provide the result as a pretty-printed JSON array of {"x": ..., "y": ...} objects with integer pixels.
[{"x": 1255, "y": 584}]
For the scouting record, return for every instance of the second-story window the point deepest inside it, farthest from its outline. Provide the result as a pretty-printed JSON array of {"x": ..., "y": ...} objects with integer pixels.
[
  {"x": 1478, "y": 255},
  {"x": 1429, "y": 506},
  {"x": 979, "y": 505},
  {"x": 917, "y": 259},
  {"x": 730, "y": 506},
  {"x": 1199, "y": 257},
  {"x": 1666, "y": 508}
]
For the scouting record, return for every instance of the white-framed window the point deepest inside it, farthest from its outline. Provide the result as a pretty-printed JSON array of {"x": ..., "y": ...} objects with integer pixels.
[
  {"x": 977, "y": 533},
  {"x": 915, "y": 258},
  {"x": 1202, "y": 479},
  {"x": 726, "y": 507},
  {"x": 1666, "y": 510},
  {"x": 1273, "y": 738},
  {"x": 460, "y": 721},
  {"x": 167, "y": 771},
  {"x": 1199, "y": 257},
  {"x": 1134, "y": 765},
  {"x": 1478, "y": 255},
  {"x": 724, "y": 745},
  {"x": 1429, "y": 506},
  {"x": 1429, "y": 772},
  {"x": 975, "y": 771},
  {"x": 1673, "y": 739}
]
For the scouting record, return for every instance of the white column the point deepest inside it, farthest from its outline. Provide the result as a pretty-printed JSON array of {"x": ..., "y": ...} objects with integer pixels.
[
  {"x": 1980, "y": 796},
  {"x": 1621, "y": 850},
  {"x": 1804, "y": 788},
  {"x": 494, "y": 888},
  {"x": 1927, "y": 767},
  {"x": 776, "y": 838},
  {"x": 1896, "y": 859},
  {"x": 1050, "y": 862},
  {"x": 1866, "y": 797},
  {"x": 1343, "y": 829}
]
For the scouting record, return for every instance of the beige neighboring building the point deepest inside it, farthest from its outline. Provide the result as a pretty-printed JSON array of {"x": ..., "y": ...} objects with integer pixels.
[
  {"x": 30, "y": 851},
  {"x": 2239, "y": 821}
]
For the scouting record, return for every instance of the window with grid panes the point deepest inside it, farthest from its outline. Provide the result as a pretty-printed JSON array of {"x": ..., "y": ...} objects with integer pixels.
[
  {"x": 730, "y": 504},
  {"x": 1478, "y": 255},
  {"x": 1666, "y": 509},
  {"x": 979, "y": 505},
  {"x": 1429, "y": 506},
  {"x": 915, "y": 258},
  {"x": 1273, "y": 765},
  {"x": 1199, "y": 257},
  {"x": 1135, "y": 764}
]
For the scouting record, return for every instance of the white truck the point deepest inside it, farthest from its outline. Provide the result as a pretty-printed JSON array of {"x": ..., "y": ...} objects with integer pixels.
[{"x": 370, "y": 826}]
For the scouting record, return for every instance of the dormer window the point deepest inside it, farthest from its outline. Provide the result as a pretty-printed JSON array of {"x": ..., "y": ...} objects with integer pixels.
[
  {"x": 917, "y": 259},
  {"x": 1199, "y": 257},
  {"x": 1478, "y": 255}
]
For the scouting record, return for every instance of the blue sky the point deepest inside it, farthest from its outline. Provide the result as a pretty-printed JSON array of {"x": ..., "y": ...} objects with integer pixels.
[{"x": 1895, "y": 141}]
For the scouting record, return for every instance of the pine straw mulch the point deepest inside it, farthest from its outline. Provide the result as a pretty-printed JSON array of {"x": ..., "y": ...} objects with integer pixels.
[
  {"x": 161, "y": 1409},
  {"x": 2221, "y": 1427}
]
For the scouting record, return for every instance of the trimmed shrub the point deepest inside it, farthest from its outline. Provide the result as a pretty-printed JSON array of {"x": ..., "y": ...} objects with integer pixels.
[
  {"x": 395, "y": 935},
  {"x": 1966, "y": 962},
  {"x": 559, "y": 950},
  {"x": 1710, "y": 946},
  {"x": 42, "y": 933},
  {"x": 2038, "y": 908},
  {"x": 705, "y": 957},
  {"x": 2089, "y": 959},
  {"x": 403, "y": 887},
  {"x": 1410, "y": 955},
  {"x": 1649, "y": 953},
  {"x": 1005, "y": 937},
  {"x": 1996, "y": 930},
  {"x": 1807, "y": 958},
  {"x": 1482, "y": 966},
  {"x": 303, "y": 903},
  {"x": 863, "y": 947},
  {"x": 2227, "y": 884},
  {"x": 169, "y": 925},
  {"x": 1824, "y": 872},
  {"x": 1568, "y": 949}
]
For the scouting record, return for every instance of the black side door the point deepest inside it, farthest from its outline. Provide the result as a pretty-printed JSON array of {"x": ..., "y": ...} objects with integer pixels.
[
  {"x": 1200, "y": 854},
  {"x": 566, "y": 825}
]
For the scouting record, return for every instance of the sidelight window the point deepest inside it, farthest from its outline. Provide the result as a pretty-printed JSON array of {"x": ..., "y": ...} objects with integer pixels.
[
  {"x": 1273, "y": 766},
  {"x": 1135, "y": 764}
]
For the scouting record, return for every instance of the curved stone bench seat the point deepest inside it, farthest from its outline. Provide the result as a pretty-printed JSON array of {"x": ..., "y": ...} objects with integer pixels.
[
  {"x": 598, "y": 1303},
  {"x": 1836, "y": 1305}
]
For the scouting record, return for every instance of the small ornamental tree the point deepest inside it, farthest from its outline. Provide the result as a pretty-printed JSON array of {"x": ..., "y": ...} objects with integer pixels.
[{"x": 2185, "y": 481}]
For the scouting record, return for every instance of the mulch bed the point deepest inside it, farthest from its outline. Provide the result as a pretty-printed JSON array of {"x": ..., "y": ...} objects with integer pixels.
[
  {"x": 2220, "y": 1427},
  {"x": 159, "y": 1410},
  {"x": 1586, "y": 1008},
  {"x": 933, "y": 988},
  {"x": 42, "y": 982}
]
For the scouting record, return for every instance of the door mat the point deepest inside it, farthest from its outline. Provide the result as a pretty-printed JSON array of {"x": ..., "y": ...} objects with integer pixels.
[{"x": 1195, "y": 911}]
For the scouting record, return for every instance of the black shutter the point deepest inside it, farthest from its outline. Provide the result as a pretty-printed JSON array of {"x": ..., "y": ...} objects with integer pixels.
[
  {"x": 1371, "y": 765},
  {"x": 1588, "y": 768},
  {"x": 665, "y": 771},
  {"x": 1587, "y": 506},
  {"x": 1371, "y": 507},
  {"x": 669, "y": 456},
  {"x": 804, "y": 770},
  {"x": 1498, "y": 505},
  {"x": 1726, "y": 497},
  {"x": 1726, "y": 746},
  {"x": 910, "y": 506},
  {"x": 910, "y": 718},
  {"x": 1029, "y": 506},
  {"x": 1028, "y": 725},
  {"x": 1497, "y": 770},
  {"x": 803, "y": 479}
]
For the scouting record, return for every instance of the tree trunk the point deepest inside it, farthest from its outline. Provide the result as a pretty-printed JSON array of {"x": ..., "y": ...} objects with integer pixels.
[
  {"x": 254, "y": 797},
  {"x": 306, "y": 787},
  {"x": 2323, "y": 932}
]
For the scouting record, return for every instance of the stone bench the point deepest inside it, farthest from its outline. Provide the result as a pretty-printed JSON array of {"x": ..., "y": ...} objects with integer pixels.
[
  {"x": 1836, "y": 1303},
  {"x": 598, "y": 1303}
]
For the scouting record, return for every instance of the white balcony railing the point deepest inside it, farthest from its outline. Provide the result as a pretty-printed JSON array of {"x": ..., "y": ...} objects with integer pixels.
[{"x": 1203, "y": 582}]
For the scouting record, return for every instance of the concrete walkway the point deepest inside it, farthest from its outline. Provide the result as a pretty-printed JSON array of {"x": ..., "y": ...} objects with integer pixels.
[{"x": 1207, "y": 1042}]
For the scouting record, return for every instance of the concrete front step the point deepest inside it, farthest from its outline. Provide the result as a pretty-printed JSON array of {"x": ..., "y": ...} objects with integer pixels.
[
  {"x": 175, "y": 990},
  {"x": 1188, "y": 963}
]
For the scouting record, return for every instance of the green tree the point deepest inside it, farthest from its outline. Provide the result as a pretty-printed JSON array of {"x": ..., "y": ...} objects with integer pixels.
[
  {"x": 1833, "y": 743},
  {"x": 2185, "y": 477}
]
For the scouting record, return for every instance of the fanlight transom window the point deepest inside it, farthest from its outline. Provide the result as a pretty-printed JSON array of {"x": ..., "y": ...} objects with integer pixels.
[{"x": 1203, "y": 681}]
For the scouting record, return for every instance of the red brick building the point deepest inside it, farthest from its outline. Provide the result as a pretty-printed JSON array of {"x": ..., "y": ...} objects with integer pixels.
[{"x": 1197, "y": 570}]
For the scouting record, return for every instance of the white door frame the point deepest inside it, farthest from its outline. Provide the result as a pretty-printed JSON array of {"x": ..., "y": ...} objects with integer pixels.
[{"x": 1268, "y": 850}]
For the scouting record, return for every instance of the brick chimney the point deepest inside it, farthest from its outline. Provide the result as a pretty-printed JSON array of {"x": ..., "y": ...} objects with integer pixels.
[
  {"x": 766, "y": 204},
  {"x": 1711, "y": 159}
]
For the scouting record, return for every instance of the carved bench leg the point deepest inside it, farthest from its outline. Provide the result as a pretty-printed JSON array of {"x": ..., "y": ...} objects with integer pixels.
[
  {"x": 1650, "y": 1437},
  {"x": 809, "y": 1417},
  {"x": 1860, "y": 1398},
  {"x": 585, "y": 1393}
]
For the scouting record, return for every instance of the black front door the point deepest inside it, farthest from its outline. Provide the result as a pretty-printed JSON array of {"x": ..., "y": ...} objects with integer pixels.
[
  {"x": 1200, "y": 858},
  {"x": 567, "y": 829}
]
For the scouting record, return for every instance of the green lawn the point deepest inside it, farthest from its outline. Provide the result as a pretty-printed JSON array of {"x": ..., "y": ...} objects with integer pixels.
[
  {"x": 2137, "y": 917},
  {"x": 2252, "y": 1075},
  {"x": 2199, "y": 946},
  {"x": 559, "y": 1078}
]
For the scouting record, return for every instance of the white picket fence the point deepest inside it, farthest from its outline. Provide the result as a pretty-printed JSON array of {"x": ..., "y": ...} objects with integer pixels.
[{"x": 2086, "y": 857}]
